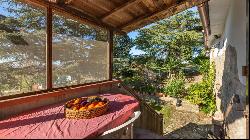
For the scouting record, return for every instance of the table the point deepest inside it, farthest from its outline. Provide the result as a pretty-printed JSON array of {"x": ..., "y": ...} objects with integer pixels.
[{"x": 48, "y": 122}]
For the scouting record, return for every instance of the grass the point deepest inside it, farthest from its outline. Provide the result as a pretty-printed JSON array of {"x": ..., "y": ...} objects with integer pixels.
[
  {"x": 156, "y": 107},
  {"x": 166, "y": 110}
]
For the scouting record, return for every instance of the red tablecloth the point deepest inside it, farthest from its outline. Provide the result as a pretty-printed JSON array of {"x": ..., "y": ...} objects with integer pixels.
[{"x": 49, "y": 121}]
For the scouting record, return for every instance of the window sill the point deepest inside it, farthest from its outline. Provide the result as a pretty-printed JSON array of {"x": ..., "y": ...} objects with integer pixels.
[{"x": 35, "y": 96}]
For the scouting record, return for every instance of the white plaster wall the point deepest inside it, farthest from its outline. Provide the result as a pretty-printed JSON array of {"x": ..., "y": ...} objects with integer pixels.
[{"x": 235, "y": 33}]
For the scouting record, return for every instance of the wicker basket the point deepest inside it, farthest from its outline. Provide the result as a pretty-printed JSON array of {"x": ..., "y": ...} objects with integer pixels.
[{"x": 86, "y": 114}]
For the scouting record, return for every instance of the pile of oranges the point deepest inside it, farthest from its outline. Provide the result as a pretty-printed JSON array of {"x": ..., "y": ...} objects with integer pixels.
[{"x": 82, "y": 104}]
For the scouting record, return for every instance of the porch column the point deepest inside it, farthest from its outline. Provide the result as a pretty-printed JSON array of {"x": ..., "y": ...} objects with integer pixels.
[
  {"x": 49, "y": 49},
  {"x": 110, "y": 40}
]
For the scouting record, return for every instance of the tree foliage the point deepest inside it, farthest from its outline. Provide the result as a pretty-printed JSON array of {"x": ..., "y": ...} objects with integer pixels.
[{"x": 171, "y": 42}]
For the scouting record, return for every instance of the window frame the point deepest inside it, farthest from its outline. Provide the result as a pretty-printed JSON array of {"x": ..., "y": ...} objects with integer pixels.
[{"x": 49, "y": 71}]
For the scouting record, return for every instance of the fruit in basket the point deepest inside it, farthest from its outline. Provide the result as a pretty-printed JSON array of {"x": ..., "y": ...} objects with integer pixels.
[
  {"x": 94, "y": 99},
  {"x": 91, "y": 99},
  {"x": 98, "y": 105},
  {"x": 83, "y": 108},
  {"x": 91, "y": 106},
  {"x": 68, "y": 105},
  {"x": 98, "y": 99},
  {"x": 101, "y": 103},
  {"x": 77, "y": 101},
  {"x": 74, "y": 108},
  {"x": 83, "y": 103},
  {"x": 95, "y": 103}
]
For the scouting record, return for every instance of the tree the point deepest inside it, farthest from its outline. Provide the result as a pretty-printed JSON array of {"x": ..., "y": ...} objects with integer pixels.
[
  {"x": 122, "y": 57},
  {"x": 171, "y": 42}
]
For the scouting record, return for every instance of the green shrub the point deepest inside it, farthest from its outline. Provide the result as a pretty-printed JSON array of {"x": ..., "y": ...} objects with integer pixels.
[
  {"x": 175, "y": 87},
  {"x": 202, "y": 62},
  {"x": 154, "y": 104},
  {"x": 202, "y": 93}
]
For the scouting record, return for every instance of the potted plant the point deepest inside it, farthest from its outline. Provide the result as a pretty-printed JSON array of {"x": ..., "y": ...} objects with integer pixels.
[{"x": 178, "y": 102}]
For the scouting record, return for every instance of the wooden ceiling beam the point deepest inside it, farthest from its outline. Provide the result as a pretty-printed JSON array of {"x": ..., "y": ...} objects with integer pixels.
[
  {"x": 161, "y": 13},
  {"x": 149, "y": 4},
  {"x": 68, "y": 1},
  {"x": 120, "y": 8},
  {"x": 93, "y": 3},
  {"x": 169, "y": 2},
  {"x": 61, "y": 1},
  {"x": 79, "y": 15}
]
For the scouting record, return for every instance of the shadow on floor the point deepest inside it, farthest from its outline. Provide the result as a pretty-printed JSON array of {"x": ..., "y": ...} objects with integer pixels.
[{"x": 191, "y": 131}]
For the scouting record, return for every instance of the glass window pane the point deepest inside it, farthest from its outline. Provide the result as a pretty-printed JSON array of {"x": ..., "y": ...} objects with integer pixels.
[
  {"x": 22, "y": 48},
  {"x": 80, "y": 52}
]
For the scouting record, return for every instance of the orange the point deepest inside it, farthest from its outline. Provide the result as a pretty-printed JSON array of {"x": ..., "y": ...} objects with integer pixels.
[
  {"x": 83, "y": 108},
  {"x": 91, "y": 106},
  {"x": 95, "y": 103},
  {"x": 98, "y": 105},
  {"x": 68, "y": 105},
  {"x": 101, "y": 103},
  {"x": 77, "y": 101},
  {"x": 74, "y": 108}
]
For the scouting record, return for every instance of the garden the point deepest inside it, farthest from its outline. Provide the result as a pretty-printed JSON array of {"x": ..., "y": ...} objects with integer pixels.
[
  {"x": 173, "y": 56},
  {"x": 174, "y": 65}
]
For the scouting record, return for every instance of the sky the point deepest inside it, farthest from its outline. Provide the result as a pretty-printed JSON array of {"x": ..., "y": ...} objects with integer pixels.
[{"x": 134, "y": 34}]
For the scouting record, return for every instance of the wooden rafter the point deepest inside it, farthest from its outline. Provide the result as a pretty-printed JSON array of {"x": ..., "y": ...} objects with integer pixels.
[
  {"x": 120, "y": 8},
  {"x": 68, "y": 1},
  {"x": 61, "y": 1},
  {"x": 161, "y": 13},
  {"x": 169, "y": 2},
  {"x": 149, "y": 4},
  {"x": 95, "y": 4},
  {"x": 80, "y": 15}
]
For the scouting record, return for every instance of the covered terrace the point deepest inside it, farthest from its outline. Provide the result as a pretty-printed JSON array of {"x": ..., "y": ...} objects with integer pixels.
[{"x": 102, "y": 19}]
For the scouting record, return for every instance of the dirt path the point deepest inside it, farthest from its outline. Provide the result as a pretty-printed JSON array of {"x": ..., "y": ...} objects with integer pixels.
[
  {"x": 187, "y": 125},
  {"x": 184, "y": 122},
  {"x": 181, "y": 125}
]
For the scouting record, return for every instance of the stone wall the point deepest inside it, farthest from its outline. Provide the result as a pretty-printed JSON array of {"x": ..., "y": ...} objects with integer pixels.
[{"x": 230, "y": 109}]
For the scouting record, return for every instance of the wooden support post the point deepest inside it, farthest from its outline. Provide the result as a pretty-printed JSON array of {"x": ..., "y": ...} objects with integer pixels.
[
  {"x": 110, "y": 39},
  {"x": 49, "y": 49}
]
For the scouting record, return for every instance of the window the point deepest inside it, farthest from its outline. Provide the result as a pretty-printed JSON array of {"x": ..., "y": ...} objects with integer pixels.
[
  {"x": 22, "y": 48},
  {"x": 80, "y": 52}
]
